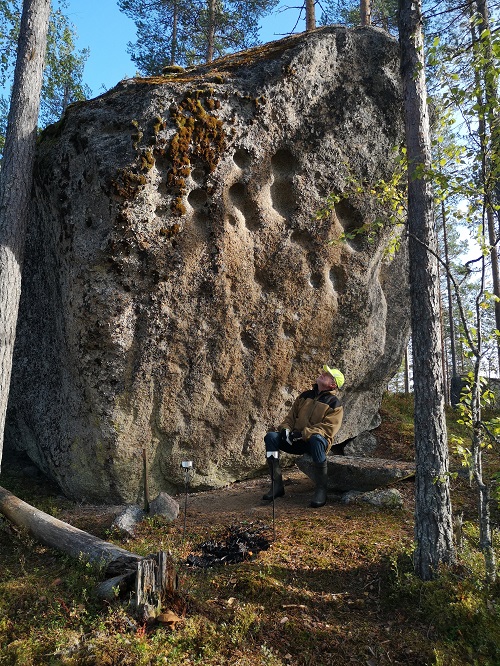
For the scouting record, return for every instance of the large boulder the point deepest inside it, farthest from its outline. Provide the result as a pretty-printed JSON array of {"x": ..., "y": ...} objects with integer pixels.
[{"x": 180, "y": 288}]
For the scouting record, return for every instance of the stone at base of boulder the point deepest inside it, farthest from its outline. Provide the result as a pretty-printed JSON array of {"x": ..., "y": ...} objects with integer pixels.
[
  {"x": 165, "y": 506},
  {"x": 363, "y": 474},
  {"x": 162, "y": 505},
  {"x": 361, "y": 446},
  {"x": 127, "y": 520},
  {"x": 389, "y": 498}
]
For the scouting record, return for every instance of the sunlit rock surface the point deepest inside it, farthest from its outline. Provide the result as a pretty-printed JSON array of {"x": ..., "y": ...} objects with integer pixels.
[{"x": 179, "y": 287}]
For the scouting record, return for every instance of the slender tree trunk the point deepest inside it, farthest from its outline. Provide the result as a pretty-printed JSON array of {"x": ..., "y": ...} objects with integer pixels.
[
  {"x": 490, "y": 77},
  {"x": 407, "y": 371},
  {"x": 444, "y": 361},
  {"x": 310, "y": 14},
  {"x": 365, "y": 11},
  {"x": 449, "y": 294},
  {"x": 211, "y": 30},
  {"x": 495, "y": 273},
  {"x": 16, "y": 179},
  {"x": 433, "y": 516},
  {"x": 175, "y": 18},
  {"x": 485, "y": 537},
  {"x": 487, "y": 125}
]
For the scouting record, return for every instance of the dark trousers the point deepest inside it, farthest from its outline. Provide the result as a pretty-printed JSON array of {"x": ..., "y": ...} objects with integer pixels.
[{"x": 316, "y": 446}]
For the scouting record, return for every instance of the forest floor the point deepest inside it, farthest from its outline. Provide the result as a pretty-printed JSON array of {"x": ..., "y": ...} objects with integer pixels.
[{"x": 335, "y": 587}]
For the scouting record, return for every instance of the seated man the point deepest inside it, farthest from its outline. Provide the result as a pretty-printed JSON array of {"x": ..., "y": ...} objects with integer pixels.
[{"x": 309, "y": 427}]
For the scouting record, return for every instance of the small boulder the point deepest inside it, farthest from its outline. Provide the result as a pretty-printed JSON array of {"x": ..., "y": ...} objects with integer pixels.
[
  {"x": 164, "y": 505},
  {"x": 389, "y": 498},
  {"x": 363, "y": 445},
  {"x": 127, "y": 521}
]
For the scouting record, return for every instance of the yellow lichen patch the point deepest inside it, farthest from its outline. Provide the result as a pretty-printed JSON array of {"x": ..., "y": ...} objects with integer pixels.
[
  {"x": 200, "y": 136},
  {"x": 127, "y": 183},
  {"x": 168, "y": 232},
  {"x": 158, "y": 124},
  {"x": 136, "y": 138},
  {"x": 147, "y": 160}
]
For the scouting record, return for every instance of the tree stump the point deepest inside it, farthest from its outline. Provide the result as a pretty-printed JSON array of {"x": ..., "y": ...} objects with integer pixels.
[{"x": 155, "y": 582}]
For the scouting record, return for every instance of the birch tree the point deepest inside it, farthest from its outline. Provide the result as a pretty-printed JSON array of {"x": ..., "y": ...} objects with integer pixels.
[{"x": 16, "y": 179}]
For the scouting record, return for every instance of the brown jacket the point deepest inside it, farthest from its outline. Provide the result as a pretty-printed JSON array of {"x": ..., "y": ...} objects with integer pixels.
[{"x": 315, "y": 413}]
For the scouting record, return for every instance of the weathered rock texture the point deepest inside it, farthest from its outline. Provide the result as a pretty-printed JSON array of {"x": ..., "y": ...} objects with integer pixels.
[{"x": 179, "y": 289}]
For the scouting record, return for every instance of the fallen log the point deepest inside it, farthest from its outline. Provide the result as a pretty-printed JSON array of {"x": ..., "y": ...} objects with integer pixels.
[
  {"x": 153, "y": 578},
  {"x": 60, "y": 535}
]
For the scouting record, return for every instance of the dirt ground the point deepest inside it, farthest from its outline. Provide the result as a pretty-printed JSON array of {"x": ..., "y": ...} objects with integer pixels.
[
  {"x": 242, "y": 501},
  {"x": 237, "y": 503}
]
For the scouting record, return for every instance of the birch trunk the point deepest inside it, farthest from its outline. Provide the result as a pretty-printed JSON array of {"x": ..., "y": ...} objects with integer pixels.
[
  {"x": 433, "y": 516},
  {"x": 16, "y": 179}
]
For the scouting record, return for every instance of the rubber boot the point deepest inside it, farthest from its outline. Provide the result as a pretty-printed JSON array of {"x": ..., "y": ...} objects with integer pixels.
[
  {"x": 321, "y": 480},
  {"x": 275, "y": 471}
]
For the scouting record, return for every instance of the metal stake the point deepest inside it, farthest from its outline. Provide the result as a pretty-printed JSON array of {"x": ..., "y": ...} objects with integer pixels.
[
  {"x": 187, "y": 465},
  {"x": 274, "y": 516}
]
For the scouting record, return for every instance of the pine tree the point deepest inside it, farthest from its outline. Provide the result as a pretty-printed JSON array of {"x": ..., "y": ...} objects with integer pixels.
[
  {"x": 16, "y": 178},
  {"x": 433, "y": 517},
  {"x": 187, "y": 33},
  {"x": 380, "y": 13},
  {"x": 63, "y": 73},
  {"x": 163, "y": 32}
]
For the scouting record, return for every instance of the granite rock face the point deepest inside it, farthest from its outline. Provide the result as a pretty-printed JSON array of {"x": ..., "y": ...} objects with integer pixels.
[{"x": 179, "y": 287}]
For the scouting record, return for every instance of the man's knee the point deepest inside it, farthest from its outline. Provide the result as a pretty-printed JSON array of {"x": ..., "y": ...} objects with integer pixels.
[
  {"x": 318, "y": 446},
  {"x": 272, "y": 441}
]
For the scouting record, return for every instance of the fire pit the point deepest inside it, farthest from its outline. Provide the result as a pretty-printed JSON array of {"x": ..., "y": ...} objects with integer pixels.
[{"x": 239, "y": 544}]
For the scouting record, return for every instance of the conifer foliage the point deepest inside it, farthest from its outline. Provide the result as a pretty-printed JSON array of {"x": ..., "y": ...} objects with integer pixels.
[
  {"x": 63, "y": 68},
  {"x": 177, "y": 32}
]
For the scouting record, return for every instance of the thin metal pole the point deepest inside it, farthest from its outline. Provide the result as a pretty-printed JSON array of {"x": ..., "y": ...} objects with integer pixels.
[
  {"x": 146, "y": 480},
  {"x": 185, "y": 503},
  {"x": 274, "y": 514}
]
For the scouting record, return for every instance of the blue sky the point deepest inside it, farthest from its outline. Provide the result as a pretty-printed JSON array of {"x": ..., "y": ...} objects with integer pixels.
[{"x": 105, "y": 30}]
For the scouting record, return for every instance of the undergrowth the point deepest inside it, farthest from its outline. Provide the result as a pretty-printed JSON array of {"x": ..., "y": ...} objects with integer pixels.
[{"x": 336, "y": 588}]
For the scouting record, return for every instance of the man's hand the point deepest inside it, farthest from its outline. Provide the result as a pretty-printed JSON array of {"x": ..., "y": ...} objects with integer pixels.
[{"x": 294, "y": 436}]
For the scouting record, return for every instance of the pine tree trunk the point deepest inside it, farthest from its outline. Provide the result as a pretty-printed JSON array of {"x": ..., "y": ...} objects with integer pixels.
[
  {"x": 175, "y": 18},
  {"x": 433, "y": 516},
  {"x": 365, "y": 11},
  {"x": 16, "y": 179},
  {"x": 211, "y": 30},
  {"x": 310, "y": 14}
]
